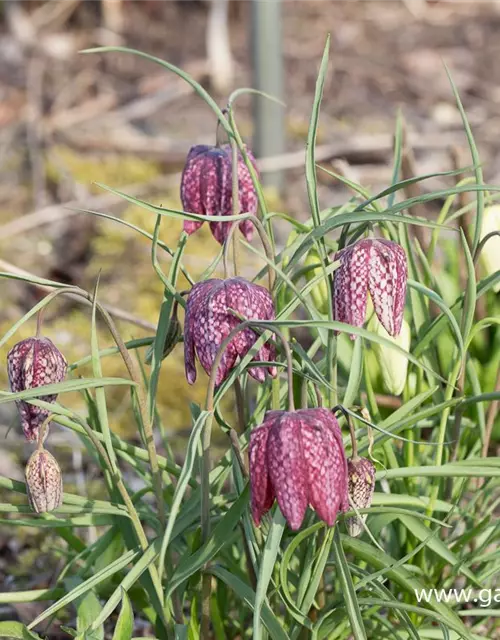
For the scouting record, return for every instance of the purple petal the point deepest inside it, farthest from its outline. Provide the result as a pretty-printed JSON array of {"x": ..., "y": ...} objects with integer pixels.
[
  {"x": 326, "y": 467},
  {"x": 350, "y": 284},
  {"x": 197, "y": 296},
  {"x": 287, "y": 469},
  {"x": 262, "y": 494},
  {"x": 247, "y": 229},
  {"x": 387, "y": 283},
  {"x": 190, "y": 226}
]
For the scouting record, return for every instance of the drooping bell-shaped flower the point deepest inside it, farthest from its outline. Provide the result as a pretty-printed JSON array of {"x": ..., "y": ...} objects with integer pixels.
[
  {"x": 43, "y": 481},
  {"x": 209, "y": 320},
  {"x": 377, "y": 266},
  {"x": 32, "y": 363},
  {"x": 298, "y": 458},
  {"x": 206, "y": 189},
  {"x": 361, "y": 486},
  {"x": 490, "y": 253}
]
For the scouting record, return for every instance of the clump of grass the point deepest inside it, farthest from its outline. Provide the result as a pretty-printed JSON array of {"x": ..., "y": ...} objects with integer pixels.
[{"x": 181, "y": 552}]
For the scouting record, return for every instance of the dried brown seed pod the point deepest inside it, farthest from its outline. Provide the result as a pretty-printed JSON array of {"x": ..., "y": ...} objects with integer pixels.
[
  {"x": 43, "y": 481},
  {"x": 361, "y": 485}
]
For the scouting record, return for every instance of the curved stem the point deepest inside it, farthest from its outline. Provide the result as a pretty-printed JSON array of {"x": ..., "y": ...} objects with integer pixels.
[
  {"x": 141, "y": 536},
  {"x": 235, "y": 193},
  {"x": 354, "y": 443},
  {"x": 39, "y": 322},
  {"x": 141, "y": 395},
  {"x": 44, "y": 431},
  {"x": 215, "y": 367},
  {"x": 205, "y": 482},
  {"x": 264, "y": 238},
  {"x": 480, "y": 246}
]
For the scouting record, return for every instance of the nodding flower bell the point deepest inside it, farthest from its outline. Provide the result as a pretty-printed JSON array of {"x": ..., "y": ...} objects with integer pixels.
[
  {"x": 206, "y": 189},
  {"x": 361, "y": 486},
  {"x": 298, "y": 458},
  {"x": 32, "y": 363},
  {"x": 376, "y": 266},
  {"x": 209, "y": 321},
  {"x": 43, "y": 481}
]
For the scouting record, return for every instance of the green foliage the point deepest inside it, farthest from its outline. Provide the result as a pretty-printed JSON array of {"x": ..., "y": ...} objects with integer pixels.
[{"x": 169, "y": 540}]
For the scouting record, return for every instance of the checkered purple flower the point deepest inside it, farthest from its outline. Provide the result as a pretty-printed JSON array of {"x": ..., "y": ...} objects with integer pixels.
[
  {"x": 209, "y": 321},
  {"x": 32, "y": 363},
  {"x": 298, "y": 458},
  {"x": 206, "y": 189},
  {"x": 371, "y": 265}
]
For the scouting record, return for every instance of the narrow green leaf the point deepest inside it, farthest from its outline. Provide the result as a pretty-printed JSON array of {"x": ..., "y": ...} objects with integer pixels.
[
  {"x": 63, "y": 387},
  {"x": 87, "y": 585},
  {"x": 179, "y": 72},
  {"x": 87, "y": 608},
  {"x": 347, "y": 586},
  {"x": 266, "y": 568},
  {"x": 182, "y": 484},
  {"x": 125, "y": 623},
  {"x": 247, "y": 595},
  {"x": 478, "y": 170},
  {"x": 16, "y": 631}
]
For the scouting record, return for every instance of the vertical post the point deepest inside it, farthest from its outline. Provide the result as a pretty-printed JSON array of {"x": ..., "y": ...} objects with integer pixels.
[
  {"x": 220, "y": 60},
  {"x": 267, "y": 58}
]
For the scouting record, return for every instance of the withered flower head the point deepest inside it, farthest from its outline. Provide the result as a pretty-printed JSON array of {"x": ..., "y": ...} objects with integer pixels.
[
  {"x": 361, "y": 476},
  {"x": 43, "y": 481}
]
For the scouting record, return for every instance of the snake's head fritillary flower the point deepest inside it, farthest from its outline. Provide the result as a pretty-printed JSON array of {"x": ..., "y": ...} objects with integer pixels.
[
  {"x": 32, "y": 363},
  {"x": 361, "y": 486},
  {"x": 43, "y": 481},
  {"x": 376, "y": 266},
  {"x": 206, "y": 189},
  {"x": 210, "y": 319},
  {"x": 298, "y": 458}
]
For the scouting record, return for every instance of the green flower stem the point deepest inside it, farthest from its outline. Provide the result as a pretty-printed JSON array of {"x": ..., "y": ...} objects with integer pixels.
[
  {"x": 482, "y": 243},
  {"x": 141, "y": 536},
  {"x": 450, "y": 388},
  {"x": 352, "y": 432},
  {"x": 235, "y": 189},
  {"x": 253, "y": 175},
  {"x": 205, "y": 483},
  {"x": 266, "y": 243}
]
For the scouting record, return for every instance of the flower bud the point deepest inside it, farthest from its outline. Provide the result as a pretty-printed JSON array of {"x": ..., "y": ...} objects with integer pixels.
[
  {"x": 361, "y": 485},
  {"x": 490, "y": 253},
  {"x": 43, "y": 481},
  {"x": 32, "y": 363},
  {"x": 393, "y": 365},
  {"x": 319, "y": 293}
]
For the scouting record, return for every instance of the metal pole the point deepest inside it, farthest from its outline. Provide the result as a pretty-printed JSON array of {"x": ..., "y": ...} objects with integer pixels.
[{"x": 267, "y": 58}]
